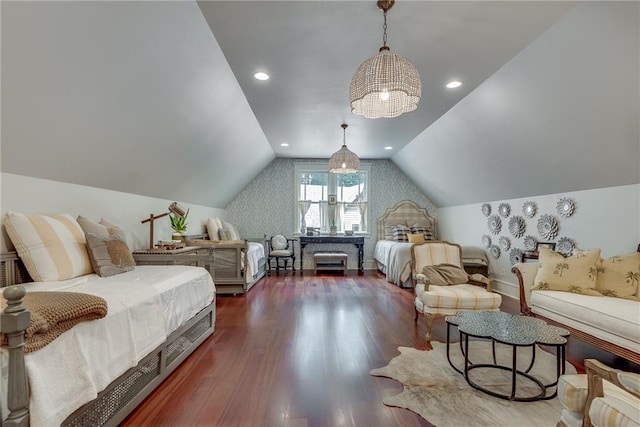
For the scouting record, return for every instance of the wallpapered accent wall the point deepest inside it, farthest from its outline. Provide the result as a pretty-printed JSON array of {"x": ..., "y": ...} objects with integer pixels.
[{"x": 266, "y": 205}]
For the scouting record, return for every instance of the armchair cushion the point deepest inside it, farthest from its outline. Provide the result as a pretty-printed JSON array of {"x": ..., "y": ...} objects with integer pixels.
[
  {"x": 448, "y": 300},
  {"x": 445, "y": 274}
]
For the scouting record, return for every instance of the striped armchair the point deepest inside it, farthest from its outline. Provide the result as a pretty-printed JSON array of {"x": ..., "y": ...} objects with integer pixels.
[{"x": 474, "y": 293}]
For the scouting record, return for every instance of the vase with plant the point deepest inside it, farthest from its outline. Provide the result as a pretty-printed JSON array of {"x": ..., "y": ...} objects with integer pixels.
[{"x": 178, "y": 224}]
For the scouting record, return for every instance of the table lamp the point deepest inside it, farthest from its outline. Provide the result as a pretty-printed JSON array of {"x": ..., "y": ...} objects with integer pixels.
[{"x": 174, "y": 208}]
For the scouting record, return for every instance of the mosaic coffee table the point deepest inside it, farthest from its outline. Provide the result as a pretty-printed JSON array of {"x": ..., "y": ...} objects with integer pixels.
[{"x": 515, "y": 331}]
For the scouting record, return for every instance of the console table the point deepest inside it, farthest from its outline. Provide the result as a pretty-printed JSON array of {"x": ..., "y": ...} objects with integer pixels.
[{"x": 357, "y": 241}]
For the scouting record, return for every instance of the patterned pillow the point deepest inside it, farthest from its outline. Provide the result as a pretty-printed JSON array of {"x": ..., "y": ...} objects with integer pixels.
[
  {"x": 388, "y": 228},
  {"x": 428, "y": 234},
  {"x": 51, "y": 247},
  {"x": 619, "y": 276},
  {"x": 109, "y": 255},
  {"x": 576, "y": 273},
  {"x": 400, "y": 233}
]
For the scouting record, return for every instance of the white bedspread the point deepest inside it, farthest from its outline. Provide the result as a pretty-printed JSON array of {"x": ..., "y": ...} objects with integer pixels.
[
  {"x": 255, "y": 253},
  {"x": 396, "y": 258},
  {"x": 144, "y": 306}
]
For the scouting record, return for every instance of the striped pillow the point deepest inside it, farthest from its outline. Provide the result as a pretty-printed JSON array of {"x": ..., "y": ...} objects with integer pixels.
[
  {"x": 51, "y": 247},
  {"x": 400, "y": 233},
  {"x": 428, "y": 234}
]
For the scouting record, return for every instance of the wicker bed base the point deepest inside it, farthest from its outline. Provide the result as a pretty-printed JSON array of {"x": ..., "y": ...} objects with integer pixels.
[{"x": 123, "y": 395}]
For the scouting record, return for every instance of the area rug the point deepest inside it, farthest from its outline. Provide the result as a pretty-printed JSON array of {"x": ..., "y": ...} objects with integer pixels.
[{"x": 440, "y": 395}]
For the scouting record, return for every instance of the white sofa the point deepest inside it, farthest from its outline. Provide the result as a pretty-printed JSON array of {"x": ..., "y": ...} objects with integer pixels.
[{"x": 612, "y": 324}]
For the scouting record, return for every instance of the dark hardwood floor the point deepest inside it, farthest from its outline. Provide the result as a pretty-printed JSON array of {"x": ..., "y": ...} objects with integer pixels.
[{"x": 296, "y": 351}]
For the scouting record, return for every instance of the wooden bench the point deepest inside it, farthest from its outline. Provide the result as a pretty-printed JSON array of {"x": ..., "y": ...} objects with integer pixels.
[{"x": 335, "y": 261}]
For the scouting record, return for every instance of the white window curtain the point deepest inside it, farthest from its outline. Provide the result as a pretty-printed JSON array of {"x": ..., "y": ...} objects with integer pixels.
[
  {"x": 303, "y": 208},
  {"x": 324, "y": 215},
  {"x": 339, "y": 214},
  {"x": 363, "y": 215}
]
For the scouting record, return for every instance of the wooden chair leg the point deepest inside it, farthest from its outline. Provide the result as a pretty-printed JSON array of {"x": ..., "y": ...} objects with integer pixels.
[{"x": 429, "y": 318}]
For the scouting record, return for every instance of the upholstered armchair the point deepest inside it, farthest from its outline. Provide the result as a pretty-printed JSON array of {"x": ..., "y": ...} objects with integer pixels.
[
  {"x": 281, "y": 250},
  {"x": 600, "y": 398},
  {"x": 443, "y": 288}
]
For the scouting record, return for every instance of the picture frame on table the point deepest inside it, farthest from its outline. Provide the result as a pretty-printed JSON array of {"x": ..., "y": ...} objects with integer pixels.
[
  {"x": 333, "y": 199},
  {"x": 550, "y": 245}
]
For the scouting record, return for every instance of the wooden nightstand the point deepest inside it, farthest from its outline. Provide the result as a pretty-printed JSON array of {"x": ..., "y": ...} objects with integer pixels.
[{"x": 190, "y": 255}]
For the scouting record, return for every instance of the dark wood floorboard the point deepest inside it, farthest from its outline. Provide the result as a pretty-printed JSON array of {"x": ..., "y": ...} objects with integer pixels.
[{"x": 296, "y": 352}]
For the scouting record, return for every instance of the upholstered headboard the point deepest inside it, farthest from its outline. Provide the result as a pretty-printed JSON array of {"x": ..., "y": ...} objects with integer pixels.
[{"x": 409, "y": 212}]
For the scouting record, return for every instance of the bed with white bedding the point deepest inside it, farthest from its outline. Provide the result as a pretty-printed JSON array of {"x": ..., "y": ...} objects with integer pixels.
[
  {"x": 393, "y": 258},
  {"x": 238, "y": 264},
  {"x": 98, "y": 371}
]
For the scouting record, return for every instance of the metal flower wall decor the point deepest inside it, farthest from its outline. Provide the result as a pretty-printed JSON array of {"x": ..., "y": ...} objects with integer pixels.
[
  {"x": 495, "y": 224},
  {"x": 504, "y": 243},
  {"x": 565, "y": 207},
  {"x": 548, "y": 227},
  {"x": 494, "y": 251},
  {"x": 486, "y": 209},
  {"x": 504, "y": 210},
  {"x": 515, "y": 256},
  {"x": 565, "y": 246},
  {"x": 530, "y": 243},
  {"x": 529, "y": 209},
  {"x": 486, "y": 240},
  {"x": 517, "y": 226}
]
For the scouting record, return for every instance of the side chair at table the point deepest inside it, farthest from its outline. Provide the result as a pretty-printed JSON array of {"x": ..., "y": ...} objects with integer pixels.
[{"x": 281, "y": 250}]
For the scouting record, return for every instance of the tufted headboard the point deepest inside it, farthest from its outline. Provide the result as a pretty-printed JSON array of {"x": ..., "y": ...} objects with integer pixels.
[{"x": 408, "y": 211}]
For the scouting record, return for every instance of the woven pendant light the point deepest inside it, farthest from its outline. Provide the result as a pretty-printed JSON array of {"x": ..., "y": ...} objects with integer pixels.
[
  {"x": 385, "y": 85},
  {"x": 344, "y": 160}
]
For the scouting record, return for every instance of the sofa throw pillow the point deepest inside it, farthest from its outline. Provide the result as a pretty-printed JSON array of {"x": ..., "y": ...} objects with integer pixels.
[
  {"x": 576, "y": 273},
  {"x": 224, "y": 234},
  {"x": 416, "y": 238},
  {"x": 445, "y": 275},
  {"x": 400, "y": 233},
  {"x": 103, "y": 228},
  {"x": 619, "y": 276},
  {"x": 52, "y": 247},
  {"x": 109, "y": 255}
]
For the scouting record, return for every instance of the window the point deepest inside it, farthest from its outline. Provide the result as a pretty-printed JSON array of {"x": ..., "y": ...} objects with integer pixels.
[{"x": 324, "y": 199}]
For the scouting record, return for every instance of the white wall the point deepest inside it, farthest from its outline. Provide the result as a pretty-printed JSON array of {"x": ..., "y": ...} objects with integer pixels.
[
  {"x": 33, "y": 195},
  {"x": 606, "y": 218}
]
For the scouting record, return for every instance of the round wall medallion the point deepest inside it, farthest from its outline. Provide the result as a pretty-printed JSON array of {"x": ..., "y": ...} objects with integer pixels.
[
  {"x": 515, "y": 256},
  {"x": 494, "y": 251},
  {"x": 486, "y": 240},
  {"x": 565, "y": 246},
  {"x": 504, "y": 210},
  {"x": 565, "y": 207},
  {"x": 547, "y": 227},
  {"x": 529, "y": 209},
  {"x": 530, "y": 243},
  {"x": 504, "y": 243},
  {"x": 517, "y": 226},
  {"x": 486, "y": 209},
  {"x": 495, "y": 224}
]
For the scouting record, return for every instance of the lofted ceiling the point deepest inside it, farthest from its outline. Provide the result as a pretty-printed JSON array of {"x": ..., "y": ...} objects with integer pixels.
[
  {"x": 311, "y": 50},
  {"x": 159, "y": 98}
]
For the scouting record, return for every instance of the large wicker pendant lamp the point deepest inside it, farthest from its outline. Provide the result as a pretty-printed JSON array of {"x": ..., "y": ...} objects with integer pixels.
[
  {"x": 344, "y": 160},
  {"x": 385, "y": 85}
]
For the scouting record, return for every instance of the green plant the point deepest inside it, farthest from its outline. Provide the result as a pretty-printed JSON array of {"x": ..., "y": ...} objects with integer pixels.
[{"x": 179, "y": 223}]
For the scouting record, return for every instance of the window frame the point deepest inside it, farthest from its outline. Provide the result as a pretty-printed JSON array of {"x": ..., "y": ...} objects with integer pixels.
[{"x": 332, "y": 189}]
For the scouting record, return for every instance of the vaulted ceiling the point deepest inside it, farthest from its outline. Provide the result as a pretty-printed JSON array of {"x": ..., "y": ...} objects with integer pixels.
[{"x": 159, "y": 99}]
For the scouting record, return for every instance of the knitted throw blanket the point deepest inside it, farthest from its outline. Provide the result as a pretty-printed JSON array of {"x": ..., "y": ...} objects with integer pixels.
[{"x": 53, "y": 313}]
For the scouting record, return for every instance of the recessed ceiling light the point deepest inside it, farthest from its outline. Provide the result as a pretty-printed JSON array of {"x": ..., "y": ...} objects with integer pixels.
[
  {"x": 261, "y": 76},
  {"x": 284, "y": 144},
  {"x": 388, "y": 147},
  {"x": 454, "y": 84}
]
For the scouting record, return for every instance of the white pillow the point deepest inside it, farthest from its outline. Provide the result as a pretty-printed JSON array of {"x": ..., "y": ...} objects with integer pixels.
[
  {"x": 51, "y": 247},
  {"x": 213, "y": 227},
  {"x": 232, "y": 231}
]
